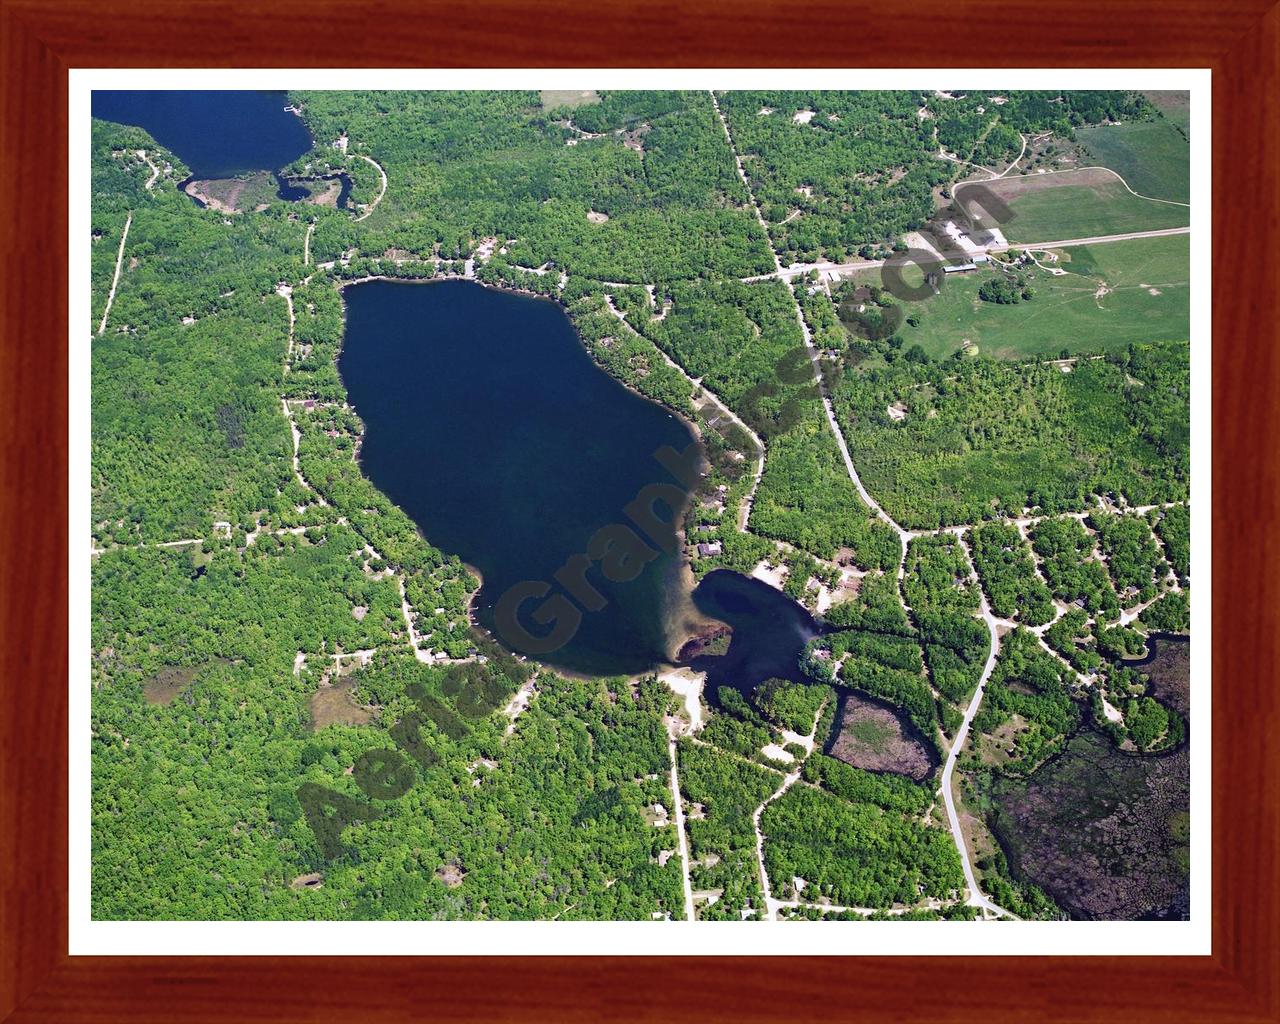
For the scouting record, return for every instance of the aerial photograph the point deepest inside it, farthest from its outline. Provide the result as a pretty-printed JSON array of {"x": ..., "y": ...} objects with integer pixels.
[{"x": 640, "y": 506}]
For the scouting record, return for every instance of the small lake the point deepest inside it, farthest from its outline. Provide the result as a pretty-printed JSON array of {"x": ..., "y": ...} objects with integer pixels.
[
  {"x": 769, "y": 632},
  {"x": 489, "y": 424},
  {"x": 216, "y": 133}
]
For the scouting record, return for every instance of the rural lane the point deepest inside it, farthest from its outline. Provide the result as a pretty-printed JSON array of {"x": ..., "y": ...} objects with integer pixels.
[{"x": 800, "y": 269}]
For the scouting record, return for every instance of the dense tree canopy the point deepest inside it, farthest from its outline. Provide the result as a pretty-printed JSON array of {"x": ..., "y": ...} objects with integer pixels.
[
  {"x": 463, "y": 166},
  {"x": 292, "y": 714},
  {"x": 980, "y": 437}
]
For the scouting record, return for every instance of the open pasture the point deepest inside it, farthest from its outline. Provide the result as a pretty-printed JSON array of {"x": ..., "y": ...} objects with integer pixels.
[
  {"x": 1084, "y": 203},
  {"x": 1175, "y": 104},
  {"x": 553, "y": 98},
  {"x": 1111, "y": 295},
  {"x": 1152, "y": 156}
]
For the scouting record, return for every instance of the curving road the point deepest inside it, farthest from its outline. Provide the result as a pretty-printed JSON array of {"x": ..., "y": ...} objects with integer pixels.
[
  {"x": 1076, "y": 170},
  {"x": 378, "y": 198},
  {"x": 976, "y": 897}
]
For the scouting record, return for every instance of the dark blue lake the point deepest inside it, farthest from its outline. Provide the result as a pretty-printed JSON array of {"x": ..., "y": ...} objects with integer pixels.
[
  {"x": 769, "y": 632},
  {"x": 489, "y": 424},
  {"x": 216, "y": 133},
  {"x": 495, "y": 431}
]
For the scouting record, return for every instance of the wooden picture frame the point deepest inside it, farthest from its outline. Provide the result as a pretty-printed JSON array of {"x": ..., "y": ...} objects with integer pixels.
[{"x": 42, "y": 39}]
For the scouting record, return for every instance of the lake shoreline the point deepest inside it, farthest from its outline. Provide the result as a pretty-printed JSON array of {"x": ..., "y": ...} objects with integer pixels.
[
  {"x": 694, "y": 621},
  {"x": 481, "y": 411}
]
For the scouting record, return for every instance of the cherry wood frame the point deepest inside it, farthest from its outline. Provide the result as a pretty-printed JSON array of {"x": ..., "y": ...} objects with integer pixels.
[{"x": 41, "y": 39}]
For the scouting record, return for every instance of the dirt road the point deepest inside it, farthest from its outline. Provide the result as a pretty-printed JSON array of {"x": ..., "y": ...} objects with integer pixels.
[{"x": 115, "y": 281}]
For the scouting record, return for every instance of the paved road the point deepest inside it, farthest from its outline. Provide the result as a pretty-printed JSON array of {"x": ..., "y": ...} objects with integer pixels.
[{"x": 1096, "y": 240}]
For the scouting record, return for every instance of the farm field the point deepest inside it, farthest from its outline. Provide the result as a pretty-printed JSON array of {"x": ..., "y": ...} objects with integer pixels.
[
  {"x": 1152, "y": 156},
  {"x": 1079, "y": 204},
  {"x": 1175, "y": 105},
  {"x": 1147, "y": 299}
]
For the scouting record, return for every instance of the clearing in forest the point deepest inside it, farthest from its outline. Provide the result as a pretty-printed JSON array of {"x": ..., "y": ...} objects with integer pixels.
[
  {"x": 1152, "y": 156},
  {"x": 334, "y": 703},
  {"x": 875, "y": 737},
  {"x": 1086, "y": 203},
  {"x": 1147, "y": 299},
  {"x": 552, "y": 98}
]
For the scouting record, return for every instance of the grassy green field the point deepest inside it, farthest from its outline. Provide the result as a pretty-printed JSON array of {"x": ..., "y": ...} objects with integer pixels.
[
  {"x": 552, "y": 98},
  {"x": 1066, "y": 312},
  {"x": 1152, "y": 156},
  {"x": 1085, "y": 211},
  {"x": 1176, "y": 107}
]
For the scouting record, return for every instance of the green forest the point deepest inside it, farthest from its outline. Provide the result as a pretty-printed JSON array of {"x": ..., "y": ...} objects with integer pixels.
[
  {"x": 944, "y": 600},
  {"x": 464, "y": 166},
  {"x": 292, "y": 714},
  {"x": 861, "y": 167},
  {"x": 980, "y": 438}
]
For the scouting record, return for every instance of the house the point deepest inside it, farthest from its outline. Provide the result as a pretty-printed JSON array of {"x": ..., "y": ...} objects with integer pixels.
[{"x": 707, "y": 550}]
